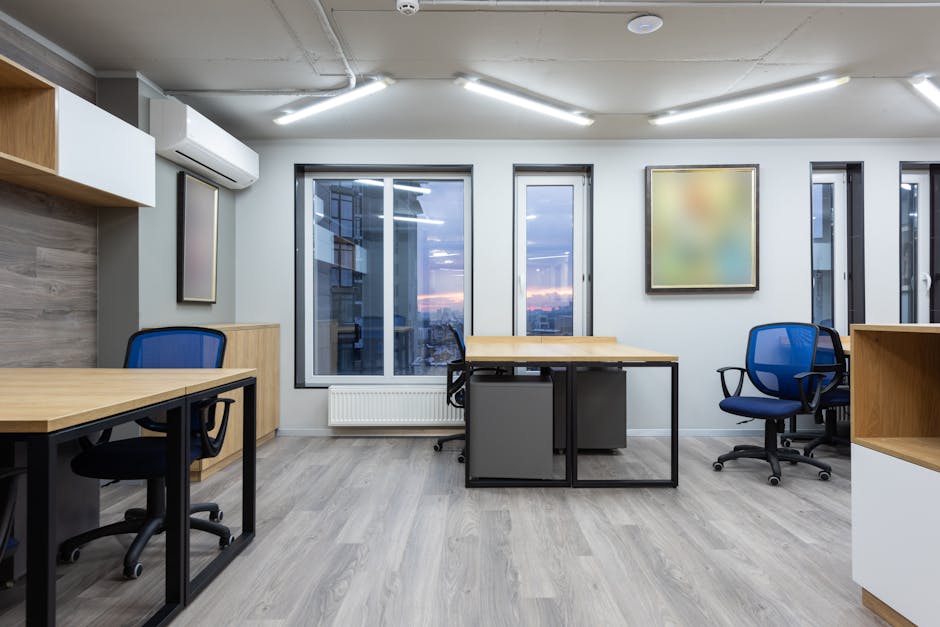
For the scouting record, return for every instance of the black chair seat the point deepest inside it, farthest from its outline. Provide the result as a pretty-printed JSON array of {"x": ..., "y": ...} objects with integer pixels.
[
  {"x": 133, "y": 458},
  {"x": 760, "y": 407}
]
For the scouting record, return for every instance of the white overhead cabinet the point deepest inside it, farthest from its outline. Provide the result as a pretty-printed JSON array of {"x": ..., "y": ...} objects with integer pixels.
[{"x": 53, "y": 141}]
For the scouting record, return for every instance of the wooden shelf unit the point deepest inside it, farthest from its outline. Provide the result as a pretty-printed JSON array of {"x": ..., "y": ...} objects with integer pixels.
[
  {"x": 31, "y": 144},
  {"x": 895, "y": 402},
  {"x": 896, "y": 391}
]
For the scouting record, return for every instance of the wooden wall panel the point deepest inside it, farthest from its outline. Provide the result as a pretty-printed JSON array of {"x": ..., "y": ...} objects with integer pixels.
[
  {"x": 36, "y": 57},
  {"x": 48, "y": 280}
]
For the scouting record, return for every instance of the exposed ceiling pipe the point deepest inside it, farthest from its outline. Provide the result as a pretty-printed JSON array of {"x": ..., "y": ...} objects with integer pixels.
[
  {"x": 651, "y": 4},
  {"x": 317, "y": 6}
]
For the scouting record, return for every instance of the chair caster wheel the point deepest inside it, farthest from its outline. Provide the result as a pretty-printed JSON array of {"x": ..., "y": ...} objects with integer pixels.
[
  {"x": 70, "y": 556},
  {"x": 133, "y": 572},
  {"x": 216, "y": 516},
  {"x": 824, "y": 476},
  {"x": 437, "y": 448},
  {"x": 224, "y": 542},
  {"x": 810, "y": 454},
  {"x": 773, "y": 480},
  {"x": 786, "y": 442},
  {"x": 461, "y": 459},
  {"x": 718, "y": 466}
]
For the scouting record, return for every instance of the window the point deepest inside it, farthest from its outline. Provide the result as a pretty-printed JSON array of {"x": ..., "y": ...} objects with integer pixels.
[
  {"x": 552, "y": 255},
  {"x": 381, "y": 274}
]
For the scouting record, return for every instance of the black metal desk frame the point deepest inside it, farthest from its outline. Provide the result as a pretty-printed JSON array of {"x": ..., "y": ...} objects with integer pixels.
[
  {"x": 41, "y": 545},
  {"x": 571, "y": 451}
]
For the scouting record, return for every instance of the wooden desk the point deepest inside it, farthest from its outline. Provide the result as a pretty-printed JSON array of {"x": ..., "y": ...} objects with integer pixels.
[
  {"x": 47, "y": 406},
  {"x": 846, "y": 344},
  {"x": 572, "y": 353}
]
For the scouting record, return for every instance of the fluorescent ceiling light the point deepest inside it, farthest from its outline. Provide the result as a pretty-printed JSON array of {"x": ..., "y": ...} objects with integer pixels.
[
  {"x": 750, "y": 101},
  {"x": 404, "y": 188},
  {"x": 335, "y": 101},
  {"x": 413, "y": 219},
  {"x": 927, "y": 89},
  {"x": 525, "y": 102},
  {"x": 531, "y": 217}
]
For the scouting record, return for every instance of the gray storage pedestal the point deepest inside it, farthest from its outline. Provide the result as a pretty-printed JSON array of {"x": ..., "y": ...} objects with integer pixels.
[
  {"x": 510, "y": 427},
  {"x": 602, "y": 408}
]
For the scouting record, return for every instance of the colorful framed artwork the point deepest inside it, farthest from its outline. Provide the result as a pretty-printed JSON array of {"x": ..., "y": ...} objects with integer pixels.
[
  {"x": 701, "y": 229},
  {"x": 197, "y": 226}
]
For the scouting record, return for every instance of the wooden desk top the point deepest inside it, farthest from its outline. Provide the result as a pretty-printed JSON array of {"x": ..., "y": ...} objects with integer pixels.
[
  {"x": 42, "y": 400},
  {"x": 547, "y": 349},
  {"x": 846, "y": 344}
]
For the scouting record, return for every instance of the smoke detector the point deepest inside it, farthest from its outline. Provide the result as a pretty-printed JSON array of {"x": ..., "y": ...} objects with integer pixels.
[
  {"x": 407, "y": 7},
  {"x": 644, "y": 24}
]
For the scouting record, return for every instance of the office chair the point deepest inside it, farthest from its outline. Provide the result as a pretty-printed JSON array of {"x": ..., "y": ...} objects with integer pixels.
[
  {"x": 457, "y": 375},
  {"x": 456, "y": 380},
  {"x": 9, "y": 477},
  {"x": 830, "y": 359},
  {"x": 780, "y": 360},
  {"x": 145, "y": 457}
]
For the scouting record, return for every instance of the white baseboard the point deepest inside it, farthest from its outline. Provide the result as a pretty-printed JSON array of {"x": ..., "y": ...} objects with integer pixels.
[{"x": 358, "y": 432}]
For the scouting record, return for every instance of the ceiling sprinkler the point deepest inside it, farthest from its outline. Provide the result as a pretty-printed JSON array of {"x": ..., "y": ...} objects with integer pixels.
[{"x": 407, "y": 7}]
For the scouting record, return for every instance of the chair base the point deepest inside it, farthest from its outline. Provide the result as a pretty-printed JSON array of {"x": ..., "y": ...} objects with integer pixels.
[
  {"x": 772, "y": 454},
  {"x": 146, "y": 523},
  {"x": 829, "y": 436}
]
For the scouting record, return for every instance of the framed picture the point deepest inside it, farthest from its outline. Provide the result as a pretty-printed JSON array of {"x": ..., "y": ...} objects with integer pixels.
[
  {"x": 197, "y": 237},
  {"x": 701, "y": 229}
]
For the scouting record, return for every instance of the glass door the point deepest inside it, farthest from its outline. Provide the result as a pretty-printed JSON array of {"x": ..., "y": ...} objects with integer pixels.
[
  {"x": 916, "y": 272},
  {"x": 830, "y": 302}
]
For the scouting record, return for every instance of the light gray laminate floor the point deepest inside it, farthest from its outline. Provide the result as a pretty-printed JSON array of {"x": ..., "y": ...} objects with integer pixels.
[{"x": 378, "y": 531}]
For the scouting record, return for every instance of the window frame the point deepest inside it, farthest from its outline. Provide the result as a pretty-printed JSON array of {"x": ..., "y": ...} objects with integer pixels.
[{"x": 305, "y": 290}]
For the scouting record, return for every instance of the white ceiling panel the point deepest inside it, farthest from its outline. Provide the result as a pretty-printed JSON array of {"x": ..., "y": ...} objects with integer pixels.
[{"x": 583, "y": 58}]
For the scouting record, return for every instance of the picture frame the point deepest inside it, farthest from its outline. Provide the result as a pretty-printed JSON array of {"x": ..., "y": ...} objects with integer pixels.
[
  {"x": 702, "y": 229},
  {"x": 197, "y": 240}
]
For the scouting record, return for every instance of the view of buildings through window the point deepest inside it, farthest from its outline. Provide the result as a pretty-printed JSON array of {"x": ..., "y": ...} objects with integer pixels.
[
  {"x": 349, "y": 275},
  {"x": 549, "y": 290}
]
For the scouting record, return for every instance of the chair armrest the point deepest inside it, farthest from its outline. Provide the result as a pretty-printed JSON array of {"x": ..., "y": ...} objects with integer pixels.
[
  {"x": 724, "y": 385},
  {"x": 212, "y": 446},
  {"x": 815, "y": 380}
]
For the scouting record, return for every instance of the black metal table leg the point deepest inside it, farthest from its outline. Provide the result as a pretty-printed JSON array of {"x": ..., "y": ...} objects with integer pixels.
[
  {"x": 40, "y": 518},
  {"x": 177, "y": 506},
  {"x": 674, "y": 383},
  {"x": 249, "y": 446}
]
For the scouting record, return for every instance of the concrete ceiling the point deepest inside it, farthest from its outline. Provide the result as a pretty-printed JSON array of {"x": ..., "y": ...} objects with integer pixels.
[{"x": 581, "y": 56}]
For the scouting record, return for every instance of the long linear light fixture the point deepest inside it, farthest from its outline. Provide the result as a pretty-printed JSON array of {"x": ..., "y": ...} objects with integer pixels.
[
  {"x": 499, "y": 93},
  {"x": 927, "y": 89},
  {"x": 749, "y": 101},
  {"x": 331, "y": 103}
]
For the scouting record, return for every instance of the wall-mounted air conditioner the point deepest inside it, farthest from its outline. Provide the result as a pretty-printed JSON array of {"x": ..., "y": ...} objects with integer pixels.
[{"x": 185, "y": 136}]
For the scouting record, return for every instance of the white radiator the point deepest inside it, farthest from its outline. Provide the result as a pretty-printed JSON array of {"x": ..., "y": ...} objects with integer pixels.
[{"x": 386, "y": 406}]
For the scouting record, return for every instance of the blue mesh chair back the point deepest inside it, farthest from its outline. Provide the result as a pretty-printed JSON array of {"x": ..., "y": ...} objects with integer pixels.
[
  {"x": 175, "y": 347},
  {"x": 776, "y": 352}
]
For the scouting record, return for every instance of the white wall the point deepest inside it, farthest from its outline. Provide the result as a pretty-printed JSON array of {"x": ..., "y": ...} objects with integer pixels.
[
  {"x": 706, "y": 331},
  {"x": 157, "y": 250}
]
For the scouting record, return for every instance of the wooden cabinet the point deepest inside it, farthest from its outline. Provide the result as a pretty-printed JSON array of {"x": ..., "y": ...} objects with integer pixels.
[
  {"x": 247, "y": 346},
  {"x": 896, "y": 470},
  {"x": 55, "y": 142}
]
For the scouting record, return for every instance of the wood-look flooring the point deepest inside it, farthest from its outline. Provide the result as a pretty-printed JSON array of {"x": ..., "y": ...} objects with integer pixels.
[{"x": 377, "y": 531}]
